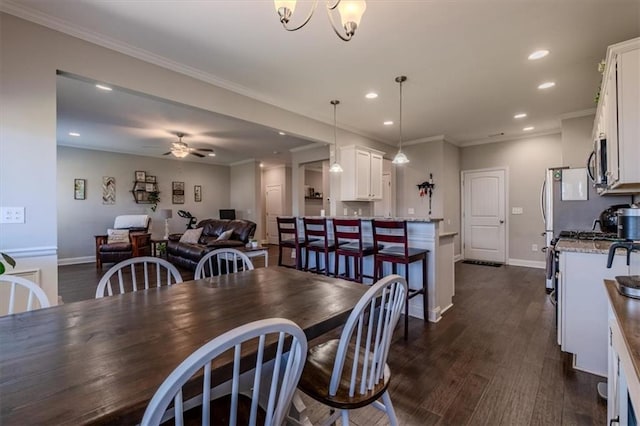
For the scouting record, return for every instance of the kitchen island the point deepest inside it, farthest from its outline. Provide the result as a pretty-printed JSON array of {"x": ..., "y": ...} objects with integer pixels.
[{"x": 425, "y": 234}]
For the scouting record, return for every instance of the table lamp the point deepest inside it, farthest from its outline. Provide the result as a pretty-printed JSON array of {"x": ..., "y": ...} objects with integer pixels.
[{"x": 166, "y": 214}]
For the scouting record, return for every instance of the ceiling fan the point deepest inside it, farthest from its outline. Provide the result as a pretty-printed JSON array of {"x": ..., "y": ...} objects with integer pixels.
[{"x": 181, "y": 149}]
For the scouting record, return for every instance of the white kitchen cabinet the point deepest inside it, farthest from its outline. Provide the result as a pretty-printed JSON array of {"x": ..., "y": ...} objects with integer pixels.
[
  {"x": 362, "y": 174},
  {"x": 583, "y": 307},
  {"x": 617, "y": 116}
]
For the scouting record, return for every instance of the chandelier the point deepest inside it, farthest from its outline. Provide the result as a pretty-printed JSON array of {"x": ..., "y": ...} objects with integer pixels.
[
  {"x": 179, "y": 149},
  {"x": 350, "y": 11},
  {"x": 401, "y": 157},
  {"x": 335, "y": 167}
]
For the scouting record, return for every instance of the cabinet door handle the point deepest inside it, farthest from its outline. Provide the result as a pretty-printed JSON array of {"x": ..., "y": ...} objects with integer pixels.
[{"x": 616, "y": 420}]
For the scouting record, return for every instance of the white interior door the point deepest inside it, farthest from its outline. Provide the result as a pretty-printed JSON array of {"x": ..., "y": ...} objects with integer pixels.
[
  {"x": 273, "y": 210},
  {"x": 383, "y": 207},
  {"x": 484, "y": 215}
]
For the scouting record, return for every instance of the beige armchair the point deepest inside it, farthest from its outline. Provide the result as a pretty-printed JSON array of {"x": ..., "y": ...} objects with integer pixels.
[{"x": 129, "y": 238}]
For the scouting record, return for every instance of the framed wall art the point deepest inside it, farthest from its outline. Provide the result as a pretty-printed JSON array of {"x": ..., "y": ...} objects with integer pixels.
[
  {"x": 150, "y": 179},
  {"x": 141, "y": 176},
  {"x": 79, "y": 189},
  {"x": 108, "y": 190},
  {"x": 177, "y": 192},
  {"x": 197, "y": 193}
]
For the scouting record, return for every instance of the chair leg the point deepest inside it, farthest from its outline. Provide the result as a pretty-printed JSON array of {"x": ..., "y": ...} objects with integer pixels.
[
  {"x": 406, "y": 307},
  {"x": 326, "y": 263},
  {"x": 306, "y": 261},
  {"x": 425, "y": 290},
  {"x": 386, "y": 399},
  {"x": 336, "y": 265},
  {"x": 345, "y": 417},
  {"x": 279, "y": 255}
]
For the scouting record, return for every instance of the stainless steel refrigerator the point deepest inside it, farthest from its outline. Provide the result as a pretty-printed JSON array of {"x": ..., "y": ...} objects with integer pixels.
[{"x": 573, "y": 206}]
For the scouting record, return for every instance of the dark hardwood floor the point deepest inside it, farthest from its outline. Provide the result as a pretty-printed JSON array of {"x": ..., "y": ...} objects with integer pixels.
[{"x": 491, "y": 360}]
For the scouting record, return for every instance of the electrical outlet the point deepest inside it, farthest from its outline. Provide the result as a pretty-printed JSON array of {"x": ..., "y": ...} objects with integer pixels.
[
  {"x": 534, "y": 247},
  {"x": 12, "y": 215},
  {"x": 412, "y": 210},
  {"x": 345, "y": 212},
  {"x": 517, "y": 210}
]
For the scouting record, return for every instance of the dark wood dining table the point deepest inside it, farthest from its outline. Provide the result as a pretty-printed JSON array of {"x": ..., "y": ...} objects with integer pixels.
[{"x": 100, "y": 361}]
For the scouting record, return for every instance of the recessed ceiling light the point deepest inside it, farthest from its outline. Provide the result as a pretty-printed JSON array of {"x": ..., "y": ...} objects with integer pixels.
[
  {"x": 371, "y": 95},
  {"x": 282, "y": 133},
  {"x": 388, "y": 123},
  {"x": 103, "y": 87},
  {"x": 212, "y": 154},
  {"x": 528, "y": 129},
  {"x": 74, "y": 134},
  {"x": 276, "y": 152},
  {"x": 520, "y": 115},
  {"x": 546, "y": 85},
  {"x": 261, "y": 165},
  {"x": 538, "y": 54}
]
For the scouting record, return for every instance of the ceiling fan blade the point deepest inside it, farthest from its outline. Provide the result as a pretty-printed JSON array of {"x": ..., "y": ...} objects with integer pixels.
[
  {"x": 204, "y": 149},
  {"x": 196, "y": 154},
  {"x": 167, "y": 153}
]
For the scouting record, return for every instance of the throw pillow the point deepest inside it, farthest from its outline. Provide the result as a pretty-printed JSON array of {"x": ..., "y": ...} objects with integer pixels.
[
  {"x": 191, "y": 236},
  {"x": 117, "y": 236},
  {"x": 225, "y": 235}
]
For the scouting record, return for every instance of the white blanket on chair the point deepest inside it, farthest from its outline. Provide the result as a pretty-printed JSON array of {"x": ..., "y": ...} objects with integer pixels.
[{"x": 131, "y": 221}]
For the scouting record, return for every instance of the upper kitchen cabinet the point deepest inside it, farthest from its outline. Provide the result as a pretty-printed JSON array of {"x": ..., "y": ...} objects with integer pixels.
[
  {"x": 618, "y": 117},
  {"x": 362, "y": 175}
]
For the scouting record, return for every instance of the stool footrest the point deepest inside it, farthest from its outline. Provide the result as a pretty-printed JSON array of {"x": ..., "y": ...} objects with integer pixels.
[{"x": 413, "y": 293}]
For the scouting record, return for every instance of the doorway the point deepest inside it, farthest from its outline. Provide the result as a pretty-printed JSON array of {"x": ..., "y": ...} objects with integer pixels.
[
  {"x": 484, "y": 215},
  {"x": 273, "y": 210}
]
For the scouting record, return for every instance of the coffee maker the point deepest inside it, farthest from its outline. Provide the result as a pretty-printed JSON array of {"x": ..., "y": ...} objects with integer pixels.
[{"x": 629, "y": 230}]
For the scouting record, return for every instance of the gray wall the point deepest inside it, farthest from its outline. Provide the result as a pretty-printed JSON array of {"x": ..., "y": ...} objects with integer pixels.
[
  {"x": 450, "y": 188},
  {"x": 80, "y": 220},
  {"x": 527, "y": 161},
  {"x": 245, "y": 193},
  {"x": 576, "y": 140}
]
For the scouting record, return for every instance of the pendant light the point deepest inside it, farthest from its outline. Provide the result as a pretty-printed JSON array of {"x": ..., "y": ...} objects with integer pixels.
[
  {"x": 400, "y": 157},
  {"x": 335, "y": 167}
]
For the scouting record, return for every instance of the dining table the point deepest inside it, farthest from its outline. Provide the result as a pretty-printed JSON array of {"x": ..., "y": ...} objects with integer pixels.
[{"x": 101, "y": 361}]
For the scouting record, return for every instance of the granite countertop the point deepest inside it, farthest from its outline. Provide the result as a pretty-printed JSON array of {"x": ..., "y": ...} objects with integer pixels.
[
  {"x": 408, "y": 219},
  {"x": 627, "y": 312},
  {"x": 447, "y": 234},
  {"x": 585, "y": 246}
]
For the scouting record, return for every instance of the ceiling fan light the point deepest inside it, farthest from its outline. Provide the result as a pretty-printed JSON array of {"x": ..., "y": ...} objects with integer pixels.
[
  {"x": 180, "y": 153},
  {"x": 400, "y": 158},
  {"x": 335, "y": 168},
  {"x": 285, "y": 9}
]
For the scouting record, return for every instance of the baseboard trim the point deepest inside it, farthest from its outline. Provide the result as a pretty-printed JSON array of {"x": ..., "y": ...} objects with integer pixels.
[
  {"x": 457, "y": 258},
  {"x": 415, "y": 310},
  {"x": 527, "y": 263},
  {"x": 76, "y": 260}
]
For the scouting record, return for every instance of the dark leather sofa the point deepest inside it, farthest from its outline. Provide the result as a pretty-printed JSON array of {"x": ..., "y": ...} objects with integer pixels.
[{"x": 188, "y": 255}]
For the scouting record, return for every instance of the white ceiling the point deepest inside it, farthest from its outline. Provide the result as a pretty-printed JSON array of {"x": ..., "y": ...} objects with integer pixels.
[{"x": 466, "y": 60}]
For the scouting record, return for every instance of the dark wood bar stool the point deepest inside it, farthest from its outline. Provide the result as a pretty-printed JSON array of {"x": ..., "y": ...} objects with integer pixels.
[
  {"x": 347, "y": 234},
  {"x": 288, "y": 238},
  {"x": 395, "y": 232},
  {"x": 317, "y": 241}
]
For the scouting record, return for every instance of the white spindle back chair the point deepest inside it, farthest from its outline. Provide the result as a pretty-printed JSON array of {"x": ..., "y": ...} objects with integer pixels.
[
  {"x": 165, "y": 273},
  {"x": 275, "y": 387},
  {"x": 360, "y": 373},
  {"x": 220, "y": 261},
  {"x": 34, "y": 290}
]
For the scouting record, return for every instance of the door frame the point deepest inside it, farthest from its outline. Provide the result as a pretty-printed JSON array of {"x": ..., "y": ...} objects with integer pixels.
[{"x": 463, "y": 217}]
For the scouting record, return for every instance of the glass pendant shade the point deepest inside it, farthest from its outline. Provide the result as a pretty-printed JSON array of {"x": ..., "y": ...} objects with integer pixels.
[
  {"x": 400, "y": 158},
  {"x": 351, "y": 11},
  {"x": 335, "y": 168},
  {"x": 288, "y": 4}
]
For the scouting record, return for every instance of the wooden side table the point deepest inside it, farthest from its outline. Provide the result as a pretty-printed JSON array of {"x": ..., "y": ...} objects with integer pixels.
[{"x": 155, "y": 242}]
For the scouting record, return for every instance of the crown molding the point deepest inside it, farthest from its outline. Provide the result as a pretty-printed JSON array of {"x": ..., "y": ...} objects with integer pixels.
[
  {"x": 74, "y": 30},
  {"x": 578, "y": 114},
  {"x": 436, "y": 138},
  {"x": 241, "y": 162},
  {"x": 555, "y": 131},
  {"x": 310, "y": 146}
]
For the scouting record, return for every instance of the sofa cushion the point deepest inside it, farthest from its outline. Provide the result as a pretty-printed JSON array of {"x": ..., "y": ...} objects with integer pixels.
[
  {"x": 115, "y": 247},
  {"x": 117, "y": 236},
  {"x": 225, "y": 235},
  {"x": 191, "y": 251},
  {"x": 191, "y": 236},
  {"x": 225, "y": 243}
]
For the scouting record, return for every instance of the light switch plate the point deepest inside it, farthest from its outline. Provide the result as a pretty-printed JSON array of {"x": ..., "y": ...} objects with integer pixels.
[
  {"x": 12, "y": 215},
  {"x": 517, "y": 210},
  {"x": 412, "y": 210}
]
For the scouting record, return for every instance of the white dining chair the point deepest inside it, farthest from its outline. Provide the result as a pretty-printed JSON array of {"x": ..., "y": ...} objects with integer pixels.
[
  {"x": 126, "y": 275},
  {"x": 34, "y": 291},
  {"x": 222, "y": 261},
  {"x": 352, "y": 372},
  {"x": 273, "y": 386}
]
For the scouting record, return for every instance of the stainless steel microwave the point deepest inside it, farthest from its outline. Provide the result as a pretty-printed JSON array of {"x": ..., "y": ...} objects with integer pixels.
[{"x": 597, "y": 163}]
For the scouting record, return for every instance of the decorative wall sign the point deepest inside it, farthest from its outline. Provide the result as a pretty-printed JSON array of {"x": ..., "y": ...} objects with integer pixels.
[
  {"x": 108, "y": 190},
  {"x": 177, "y": 194},
  {"x": 197, "y": 193},
  {"x": 79, "y": 189}
]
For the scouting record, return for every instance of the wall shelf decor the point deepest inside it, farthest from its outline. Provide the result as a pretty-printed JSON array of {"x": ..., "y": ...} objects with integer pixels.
[{"x": 145, "y": 189}]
